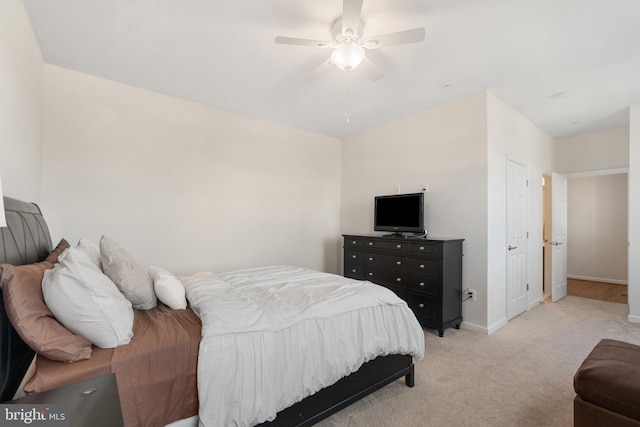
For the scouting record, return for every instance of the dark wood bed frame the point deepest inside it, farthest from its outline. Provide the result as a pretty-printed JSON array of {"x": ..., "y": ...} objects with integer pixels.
[{"x": 26, "y": 240}]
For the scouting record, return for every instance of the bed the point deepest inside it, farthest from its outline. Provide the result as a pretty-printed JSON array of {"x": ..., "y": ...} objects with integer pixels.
[{"x": 158, "y": 373}]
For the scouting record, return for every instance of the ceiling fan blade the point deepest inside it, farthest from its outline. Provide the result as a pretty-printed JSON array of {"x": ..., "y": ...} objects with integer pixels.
[
  {"x": 323, "y": 68},
  {"x": 371, "y": 69},
  {"x": 303, "y": 42},
  {"x": 401, "y": 37},
  {"x": 351, "y": 10}
]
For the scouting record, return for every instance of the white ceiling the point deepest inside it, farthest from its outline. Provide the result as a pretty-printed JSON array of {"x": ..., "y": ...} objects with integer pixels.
[{"x": 222, "y": 53}]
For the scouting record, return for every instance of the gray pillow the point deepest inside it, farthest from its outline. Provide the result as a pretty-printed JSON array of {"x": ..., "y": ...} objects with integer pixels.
[{"x": 134, "y": 283}]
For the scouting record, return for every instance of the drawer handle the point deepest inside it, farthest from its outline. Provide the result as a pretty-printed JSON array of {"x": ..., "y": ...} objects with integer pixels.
[
  {"x": 370, "y": 258},
  {"x": 398, "y": 246},
  {"x": 354, "y": 270},
  {"x": 422, "y": 248},
  {"x": 353, "y": 256},
  {"x": 421, "y": 265},
  {"x": 398, "y": 279},
  {"x": 370, "y": 243},
  {"x": 399, "y": 262},
  {"x": 422, "y": 284},
  {"x": 354, "y": 242},
  {"x": 421, "y": 305},
  {"x": 370, "y": 274}
]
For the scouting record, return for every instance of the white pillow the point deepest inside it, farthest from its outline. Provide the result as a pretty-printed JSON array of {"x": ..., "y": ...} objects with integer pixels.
[
  {"x": 92, "y": 250},
  {"x": 86, "y": 302},
  {"x": 168, "y": 288},
  {"x": 134, "y": 283}
]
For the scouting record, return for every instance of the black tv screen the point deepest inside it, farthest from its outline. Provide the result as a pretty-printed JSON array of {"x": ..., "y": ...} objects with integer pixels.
[{"x": 399, "y": 213}]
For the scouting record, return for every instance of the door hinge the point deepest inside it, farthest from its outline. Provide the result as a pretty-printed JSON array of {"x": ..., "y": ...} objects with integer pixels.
[
  {"x": 527, "y": 234},
  {"x": 527, "y": 286}
]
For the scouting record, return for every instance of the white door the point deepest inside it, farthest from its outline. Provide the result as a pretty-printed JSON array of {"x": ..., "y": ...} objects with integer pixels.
[
  {"x": 517, "y": 235},
  {"x": 558, "y": 236}
]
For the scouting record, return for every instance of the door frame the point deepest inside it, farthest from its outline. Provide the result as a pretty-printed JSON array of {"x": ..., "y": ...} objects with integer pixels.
[{"x": 547, "y": 238}]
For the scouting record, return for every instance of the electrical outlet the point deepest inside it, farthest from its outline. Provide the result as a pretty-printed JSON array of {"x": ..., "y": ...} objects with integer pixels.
[{"x": 472, "y": 294}]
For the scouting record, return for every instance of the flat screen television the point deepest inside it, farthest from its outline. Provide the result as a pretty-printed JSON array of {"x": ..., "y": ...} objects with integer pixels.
[{"x": 399, "y": 213}]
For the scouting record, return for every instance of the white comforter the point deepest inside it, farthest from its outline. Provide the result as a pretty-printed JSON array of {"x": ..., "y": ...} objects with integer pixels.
[{"x": 274, "y": 335}]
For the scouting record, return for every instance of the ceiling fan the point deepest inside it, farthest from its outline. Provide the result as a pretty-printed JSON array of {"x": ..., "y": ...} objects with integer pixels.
[{"x": 349, "y": 45}]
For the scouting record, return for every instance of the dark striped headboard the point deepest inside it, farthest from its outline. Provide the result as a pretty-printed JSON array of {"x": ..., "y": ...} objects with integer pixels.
[{"x": 25, "y": 240}]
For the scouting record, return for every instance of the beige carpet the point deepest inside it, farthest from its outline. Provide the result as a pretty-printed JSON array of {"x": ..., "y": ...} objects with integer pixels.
[{"x": 522, "y": 375}]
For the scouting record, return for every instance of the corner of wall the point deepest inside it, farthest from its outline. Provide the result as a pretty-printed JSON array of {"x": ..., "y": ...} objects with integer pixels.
[
  {"x": 510, "y": 135},
  {"x": 634, "y": 214}
]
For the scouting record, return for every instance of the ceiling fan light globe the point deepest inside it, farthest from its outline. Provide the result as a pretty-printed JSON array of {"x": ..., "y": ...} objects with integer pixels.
[{"x": 347, "y": 57}]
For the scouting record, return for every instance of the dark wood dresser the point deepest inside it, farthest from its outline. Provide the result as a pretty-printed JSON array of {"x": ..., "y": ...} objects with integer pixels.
[{"x": 427, "y": 273}]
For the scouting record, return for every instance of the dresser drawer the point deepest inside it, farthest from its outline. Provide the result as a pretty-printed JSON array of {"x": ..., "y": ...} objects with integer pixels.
[
  {"x": 386, "y": 277},
  {"x": 424, "y": 266},
  {"x": 353, "y": 243},
  {"x": 424, "y": 284},
  {"x": 426, "y": 248},
  {"x": 386, "y": 245},
  {"x": 423, "y": 306},
  {"x": 351, "y": 257},
  {"x": 353, "y": 271},
  {"x": 393, "y": 262}
]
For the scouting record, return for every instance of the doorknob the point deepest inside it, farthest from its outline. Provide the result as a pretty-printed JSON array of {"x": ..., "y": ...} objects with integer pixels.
[
  {"x": 554, "y": 243},
  {"x": 512, "y": 247}
]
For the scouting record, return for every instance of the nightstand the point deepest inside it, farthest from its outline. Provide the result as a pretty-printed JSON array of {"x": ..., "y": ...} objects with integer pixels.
[{"x": 94, "y": 402}]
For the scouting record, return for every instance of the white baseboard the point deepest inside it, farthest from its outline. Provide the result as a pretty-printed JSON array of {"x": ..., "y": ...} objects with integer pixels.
[
  {"x": 498, "y": 325},
  {"x": 597, "y": 279},
  {"x": 474, "y": 328},
  {"x": 484, "y": 330},
  {"x": 535, "y": 303},
  {"x": 633, "y": 319}
]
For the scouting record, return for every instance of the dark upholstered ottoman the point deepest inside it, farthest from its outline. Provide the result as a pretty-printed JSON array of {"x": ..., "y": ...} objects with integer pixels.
[{"x": 607, "y": 386}]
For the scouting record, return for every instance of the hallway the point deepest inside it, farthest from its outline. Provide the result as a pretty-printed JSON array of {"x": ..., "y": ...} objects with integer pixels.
[{"x": 597, "y": 290}]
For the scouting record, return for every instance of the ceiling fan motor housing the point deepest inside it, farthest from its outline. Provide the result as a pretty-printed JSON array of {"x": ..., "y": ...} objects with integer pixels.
[{"x": 348, "y": 35}]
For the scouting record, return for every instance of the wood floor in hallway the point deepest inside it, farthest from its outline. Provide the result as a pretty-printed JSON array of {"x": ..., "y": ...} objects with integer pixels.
[{"x": 597, "y": 290}]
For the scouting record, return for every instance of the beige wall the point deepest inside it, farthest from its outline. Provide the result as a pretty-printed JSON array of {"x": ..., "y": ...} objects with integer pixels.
[
  {"x": 182, "y": 185},
  {"x": 597, "y": 228},
  {"x": 591, "y": 152},
  {"x": 20, "y": 103}
]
